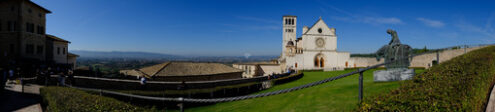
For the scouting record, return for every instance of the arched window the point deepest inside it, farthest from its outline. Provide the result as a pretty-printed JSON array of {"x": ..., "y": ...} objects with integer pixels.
[{"x": 290, "y": 43}]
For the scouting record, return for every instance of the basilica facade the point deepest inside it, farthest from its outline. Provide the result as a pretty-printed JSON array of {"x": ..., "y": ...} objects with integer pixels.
[{"x": 315, "y": 49}]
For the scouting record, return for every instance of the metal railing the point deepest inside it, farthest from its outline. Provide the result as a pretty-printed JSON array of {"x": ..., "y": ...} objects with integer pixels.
[{"x": 182, "y": 100}]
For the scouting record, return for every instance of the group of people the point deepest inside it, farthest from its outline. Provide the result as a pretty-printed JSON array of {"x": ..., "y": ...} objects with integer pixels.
[
  {"x": 62, "y": 75},
  {"x": 9, "y": 75},
  {"x": 291, "y": 70},
  {"x": 44, "y": 75},
  {"x": 142, "y": 81}
]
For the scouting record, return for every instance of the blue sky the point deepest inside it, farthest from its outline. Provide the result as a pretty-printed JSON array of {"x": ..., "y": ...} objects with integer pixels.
[{"x": 239, "y": 27}]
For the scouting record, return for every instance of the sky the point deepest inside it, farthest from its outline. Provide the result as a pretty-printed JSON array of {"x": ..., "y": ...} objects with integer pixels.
[{"x": 254, "y": 27}]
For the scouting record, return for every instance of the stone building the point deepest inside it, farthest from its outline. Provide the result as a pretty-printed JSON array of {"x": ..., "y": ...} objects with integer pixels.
[
  {"x": 186, "y": 71},
  {"x": 72, "y": 60},
  {"x": 56, "y": 49},
  {"x": 23, "y": 39},
  {"x": 315, "y": 49},
  {"x": 256, "y": 69}
]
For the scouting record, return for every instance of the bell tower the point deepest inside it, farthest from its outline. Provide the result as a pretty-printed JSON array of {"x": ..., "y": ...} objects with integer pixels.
[{"x": 289, "y": 32}]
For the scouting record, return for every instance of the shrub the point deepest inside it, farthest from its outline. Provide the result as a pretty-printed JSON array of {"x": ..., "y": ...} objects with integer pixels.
[
  {"x": 460, "y": 84},
  {"x": 288, "y": 78},
  {"x": 160, "y": 93},
  {"x": 63, "y": 99}
]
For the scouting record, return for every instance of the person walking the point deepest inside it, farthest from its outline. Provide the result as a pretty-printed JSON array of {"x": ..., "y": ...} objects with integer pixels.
[
  {"x": 143, "y": 83},
  {"x": 71, "y": 77},
  {"x": 41, "y": 76},
  {"x": 182, "y": 86},
  {"x": 38, "y": 75},
  {"x": 47, "y": 76},
  {"x": 61, "y": 79},
  {"x": 11, "y": 76}
]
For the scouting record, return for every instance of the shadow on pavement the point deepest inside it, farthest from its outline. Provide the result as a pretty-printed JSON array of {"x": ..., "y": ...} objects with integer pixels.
[{"x": 12, "y": 100}]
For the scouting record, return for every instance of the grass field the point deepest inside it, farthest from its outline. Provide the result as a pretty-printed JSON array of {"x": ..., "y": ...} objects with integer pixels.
[{"x": 338, "y": 95}]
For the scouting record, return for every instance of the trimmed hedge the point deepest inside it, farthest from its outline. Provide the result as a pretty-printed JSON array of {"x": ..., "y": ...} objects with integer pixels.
[
  {"x": 160, "y": 93},
  {"x": 63, "y": 99},
  {"x": 288, "y": 78},
  {"x": 460, "y": 84}
]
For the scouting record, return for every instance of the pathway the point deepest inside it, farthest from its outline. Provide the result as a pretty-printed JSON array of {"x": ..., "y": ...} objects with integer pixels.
[
  {"x": 14, "y": 100},
  {"x": 490, "y": 107}
]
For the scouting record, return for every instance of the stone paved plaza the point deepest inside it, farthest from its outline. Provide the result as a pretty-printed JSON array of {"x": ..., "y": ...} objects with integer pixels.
[{"x": 14, "y": 100}]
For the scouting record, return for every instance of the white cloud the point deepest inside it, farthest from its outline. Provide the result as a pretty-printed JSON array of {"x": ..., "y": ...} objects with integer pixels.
[
  {"x": 370, "y": 20},
  {"x": 487, "y": 31},
  {"x": 431, "y": 23},
  {"x": 351, "y": 17},
  {"x": 381, "y": 20}
]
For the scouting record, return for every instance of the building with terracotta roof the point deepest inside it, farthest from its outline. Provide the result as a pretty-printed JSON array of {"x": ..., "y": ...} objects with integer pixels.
[
  {"x": 57, "y": 50},
  {"x": 256, "y": 69},
  {"x": 23, "y": 38},
  {"x": 72, "y": 60},
  {"x": 186, "y": 71}
]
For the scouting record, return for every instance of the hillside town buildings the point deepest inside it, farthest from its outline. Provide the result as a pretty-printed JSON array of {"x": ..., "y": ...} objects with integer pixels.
[{"x": 23, "y": 38}]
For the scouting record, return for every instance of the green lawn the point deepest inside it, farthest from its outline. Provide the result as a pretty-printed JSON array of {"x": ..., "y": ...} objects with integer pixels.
[{"x": 338, "y": 95}]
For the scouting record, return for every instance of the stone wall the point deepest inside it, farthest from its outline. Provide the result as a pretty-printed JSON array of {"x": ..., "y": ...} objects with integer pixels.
[
  {"x": 249, "y": 69},
  {"x": 255, "y": 70},
  {"x": 424, "y": 60},
  {"x": 363, "y": 61},
  {"x": 271, "y": 69}
]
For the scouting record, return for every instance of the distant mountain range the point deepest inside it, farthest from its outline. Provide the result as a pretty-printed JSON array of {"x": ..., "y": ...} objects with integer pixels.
[
  {"x": 123, "y": 54},
  {"x": 166, "y": 57}
]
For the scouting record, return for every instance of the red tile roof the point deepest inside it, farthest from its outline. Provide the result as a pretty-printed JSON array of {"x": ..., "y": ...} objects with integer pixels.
[{"x": 56, "y": 38}]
